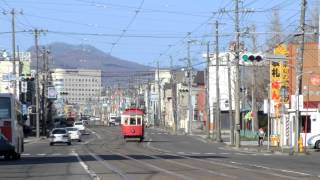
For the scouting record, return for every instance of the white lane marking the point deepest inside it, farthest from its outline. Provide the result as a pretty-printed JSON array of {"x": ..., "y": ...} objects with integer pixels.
[
  {"x": 56, "y": 154},
  {"x": 159, "y": 133},
  {"x": 41, "y": 154},
  {"x": 154, "y": 167},
  {"x": 232, "y": 166},
  {"x": 192, "y": 167},
  {"x": 241, "y": 154},
  {"x": 195, "y": 153},
  {"x": 274, "y": 169},
  {"x": 224, "y": 153},
  {"x": 210, "y": 153},
  {"x": 25, "y": 154},
  {"x": 109, "y": 166},
  {"x": 86, "y": 168},
  {"x": 267, "y": 154},
  {"x": 148, "y": 143},
  {"x": 181, "y": 152}
]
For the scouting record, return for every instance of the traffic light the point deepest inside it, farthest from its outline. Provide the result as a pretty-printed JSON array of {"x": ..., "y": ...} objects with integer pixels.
[{"x": 252, "y": 57}]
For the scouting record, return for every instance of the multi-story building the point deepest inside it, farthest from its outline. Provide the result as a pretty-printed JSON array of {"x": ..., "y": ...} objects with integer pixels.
[
  {"x": 77, "y": 86},
  {"x": 7, "y": 77}
]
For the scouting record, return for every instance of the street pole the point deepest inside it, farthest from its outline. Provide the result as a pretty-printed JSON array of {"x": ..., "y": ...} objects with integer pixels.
[
  {"x": 298, "y": 71},
  {"x": 36, "y": 33},
  {"x": 237, "y": 76},
  {"x": 189, "y": 90},
  {"x": 173, "y": 95},
  {"x": 13, "y": 26},
  {"x": 255, "y": 124},
  {"x": 159, "y": 96},
  {"x": 218, "y": 120},
  {"x": 269, "y": 113},
  {"x": 230, "y": 102},
  {"x": 207, "y": 91},
  {"x": 44, "y": 91}
]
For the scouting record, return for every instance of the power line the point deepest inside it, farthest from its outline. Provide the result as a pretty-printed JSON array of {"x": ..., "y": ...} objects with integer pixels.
[{"x": 137, "y": 11}]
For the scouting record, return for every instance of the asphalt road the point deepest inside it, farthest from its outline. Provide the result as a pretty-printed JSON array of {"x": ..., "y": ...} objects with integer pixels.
[{"x": 105, "y": 155}]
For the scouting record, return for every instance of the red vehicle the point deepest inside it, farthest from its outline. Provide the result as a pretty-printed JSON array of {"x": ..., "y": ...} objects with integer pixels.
[{"x": 132, "y": 123}]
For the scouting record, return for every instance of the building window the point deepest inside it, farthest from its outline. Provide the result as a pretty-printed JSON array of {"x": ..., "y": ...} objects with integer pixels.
[{"x": 306, "y": 124}]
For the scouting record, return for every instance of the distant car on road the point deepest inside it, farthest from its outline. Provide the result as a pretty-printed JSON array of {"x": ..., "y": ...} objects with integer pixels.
[
  {"x": 314, "y": 142},
  {"x": 80, "y": 125},
  {"x": 74, "y": 133},
  {"x": 59, "y": 135}
]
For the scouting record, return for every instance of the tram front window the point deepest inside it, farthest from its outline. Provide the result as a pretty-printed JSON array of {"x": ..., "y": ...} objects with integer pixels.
[
  {"x": 139, "y": 120},
  {"x": 133, "y": 121}
]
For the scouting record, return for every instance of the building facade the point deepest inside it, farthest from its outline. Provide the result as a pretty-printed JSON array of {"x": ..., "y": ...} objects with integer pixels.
[{"x": 77, "y": 86}]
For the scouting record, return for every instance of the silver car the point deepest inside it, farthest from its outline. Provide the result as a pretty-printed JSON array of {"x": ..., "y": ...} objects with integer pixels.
[
  {"x": 314, "y": 142},
  {"x": 59, "y": 135}
]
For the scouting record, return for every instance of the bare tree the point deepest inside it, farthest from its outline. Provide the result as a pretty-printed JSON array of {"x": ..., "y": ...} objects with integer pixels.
[
  {"x": 312, "y": 24},
  {"x": 275, "y": 27}
]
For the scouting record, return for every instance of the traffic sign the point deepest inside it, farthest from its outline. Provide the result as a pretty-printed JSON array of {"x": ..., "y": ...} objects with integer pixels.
[
  {"x": 52, "y": 93},
  {"x": 24, "y": 86}
]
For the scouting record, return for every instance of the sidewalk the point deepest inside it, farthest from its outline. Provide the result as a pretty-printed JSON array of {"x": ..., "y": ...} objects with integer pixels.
[{"x": 252, "y": 146}]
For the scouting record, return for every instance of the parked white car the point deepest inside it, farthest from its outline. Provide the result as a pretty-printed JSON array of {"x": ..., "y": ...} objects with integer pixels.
[
  {"x": 80, "y": 126},
  {"x": 314, "y": 141},
  {"x": 74, "y": 133}
]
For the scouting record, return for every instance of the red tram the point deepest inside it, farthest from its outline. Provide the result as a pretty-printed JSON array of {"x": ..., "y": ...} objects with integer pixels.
[{"x": 132, "y": 123}]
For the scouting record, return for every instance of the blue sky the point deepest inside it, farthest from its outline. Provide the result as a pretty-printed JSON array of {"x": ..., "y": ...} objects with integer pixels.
[{"x": 143, "y": 31}]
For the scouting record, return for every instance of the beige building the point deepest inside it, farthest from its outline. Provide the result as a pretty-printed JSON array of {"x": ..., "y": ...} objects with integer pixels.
[{"x": 77, "y": 86}]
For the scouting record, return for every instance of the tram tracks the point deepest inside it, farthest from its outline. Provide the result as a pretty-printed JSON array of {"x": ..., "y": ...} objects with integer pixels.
[{"x": 176, "y": 166}]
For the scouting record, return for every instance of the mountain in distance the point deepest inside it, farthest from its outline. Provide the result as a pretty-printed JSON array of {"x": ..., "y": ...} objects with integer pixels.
[{"x": 67, "y": 56}]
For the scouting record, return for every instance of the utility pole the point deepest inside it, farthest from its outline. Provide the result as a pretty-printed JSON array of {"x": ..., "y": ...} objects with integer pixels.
[
  {"x": 298, "y": 72},
  {"x": 174, "y": 96},
  {"x": 255, "y": 124},
  {"x": 13, "y": 14},
  {"x": 189, "y": 89},
  {"x": 159, "y": 94},
  {"x": 208, "y": 122},
  {"x": 218, "y": 120},
  {"x": 44, "y": 90},
  {"x": 230, "y": 102},
  {"x": 36, "y": 33},
  {"x": 237, "y": 76}
]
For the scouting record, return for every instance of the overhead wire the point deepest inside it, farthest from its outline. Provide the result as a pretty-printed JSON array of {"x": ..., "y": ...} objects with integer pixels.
[{"x": 137, "y": 11}]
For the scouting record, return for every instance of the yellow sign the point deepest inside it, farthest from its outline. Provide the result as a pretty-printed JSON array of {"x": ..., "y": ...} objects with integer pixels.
[
  {"x": 281, "y": 49},
  {"x": 279, "y": 78}
]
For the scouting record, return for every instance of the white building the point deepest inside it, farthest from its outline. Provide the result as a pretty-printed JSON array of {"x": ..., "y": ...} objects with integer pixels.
[
  {"x": 6, "y": 71},
  {"x": 77, "y": 86}
]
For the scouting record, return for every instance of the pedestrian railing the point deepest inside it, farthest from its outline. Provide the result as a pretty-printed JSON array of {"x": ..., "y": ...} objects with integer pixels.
[{"x": 249, "y": 134}]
